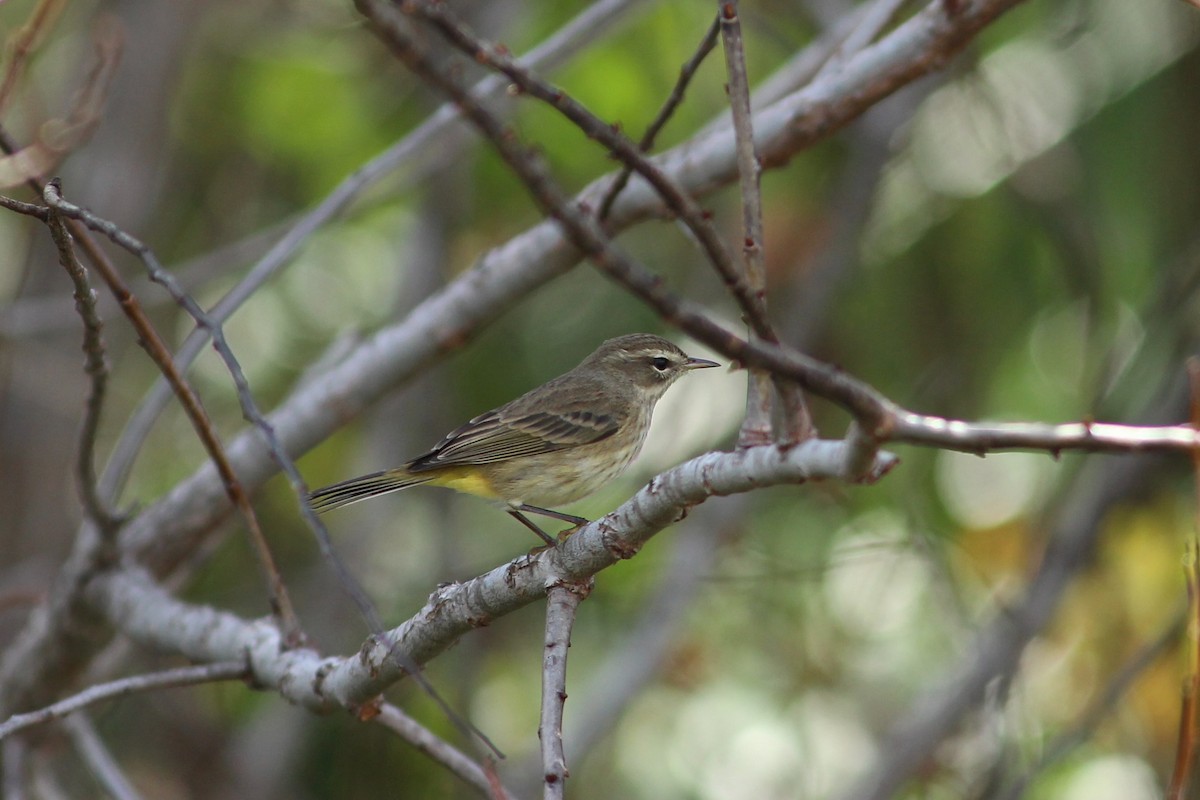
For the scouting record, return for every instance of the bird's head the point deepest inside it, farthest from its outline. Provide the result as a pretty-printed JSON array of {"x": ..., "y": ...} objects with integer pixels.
[{"x": 649, "y": 362}]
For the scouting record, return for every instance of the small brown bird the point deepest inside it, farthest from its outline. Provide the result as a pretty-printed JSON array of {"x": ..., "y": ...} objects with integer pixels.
[{"x": 553, "y": 445}]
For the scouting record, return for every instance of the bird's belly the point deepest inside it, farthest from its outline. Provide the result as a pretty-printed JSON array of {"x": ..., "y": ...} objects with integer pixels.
[{"x": 555, "y": 479}]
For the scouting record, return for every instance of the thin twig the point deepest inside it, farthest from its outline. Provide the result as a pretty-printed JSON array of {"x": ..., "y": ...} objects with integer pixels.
[
  {"x": 441, "y": 751},
  {"x": 29, "y": 209},
  {"x": 123, "y": 687},
  {"x": 639, "y": 658},
  {"x": 96, "y": 367},
  {"x": 757, "y": 424},
  {"x": 562, "y": 602},
  {"x": 101, "y": 763},
  {"x": 281, "y": 604},
  {"x": 749, "y": 169},
  {"x": 674, "y": 99}
]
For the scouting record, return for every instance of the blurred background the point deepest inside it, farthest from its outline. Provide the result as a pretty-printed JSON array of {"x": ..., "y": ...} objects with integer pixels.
[{"x": 1013, "y": 238}]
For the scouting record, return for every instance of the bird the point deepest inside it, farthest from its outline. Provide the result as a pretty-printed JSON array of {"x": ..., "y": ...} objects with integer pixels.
[{"x": 552, "y": 445}]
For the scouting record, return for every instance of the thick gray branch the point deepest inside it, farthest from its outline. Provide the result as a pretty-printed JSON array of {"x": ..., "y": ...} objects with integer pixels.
[{"x": 132, "y": 601}]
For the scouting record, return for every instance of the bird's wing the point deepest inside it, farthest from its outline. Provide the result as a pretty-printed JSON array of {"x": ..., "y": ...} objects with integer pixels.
[{"x": 494, "y": 436}]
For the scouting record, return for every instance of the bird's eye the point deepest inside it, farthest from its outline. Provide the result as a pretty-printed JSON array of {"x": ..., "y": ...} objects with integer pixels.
[{"x": 660, "y": 363}]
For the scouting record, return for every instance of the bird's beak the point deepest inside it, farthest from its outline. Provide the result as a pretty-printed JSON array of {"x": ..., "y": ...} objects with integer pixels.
[{"x": 699, "y": 363}]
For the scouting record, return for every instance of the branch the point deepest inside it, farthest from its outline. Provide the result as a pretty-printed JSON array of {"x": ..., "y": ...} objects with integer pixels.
[
  {"x": 674, "y": 99},
  {"x": 757, "y": 425},
  {"x": 562, "y": 602},
  {"x": 874, "y": 19},
  {"x": 879, "y": 417},
  {"x": 28, "y": 209},
  {"x": 123, "y": 687},
  {"x": 22, "y": 44},
  {"x": 130, "y": 600},
  {"x": 986, "y": 437},
  {"x": 482, "y": 780},
  {"x": 96, "y": 367}
]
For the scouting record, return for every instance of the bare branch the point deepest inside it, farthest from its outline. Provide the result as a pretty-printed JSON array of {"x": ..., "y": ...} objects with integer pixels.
[
  {"x": 749, "y": 170},
  {"x": 28, "y": 209},
  {"x": 129, "y": 599},
  {"x": 123, "y": 687},
  {"x": 562, "y": 603},
  {"x": 646, "y": 143},
  {"x": 96, "y": 367},
  {"x": 584, "y": 232},
  {"x": 633, "y": 663},
  {"x": 450, "y": 757},
  {"x": 986, "y": 437},
  {"x": 757, "y": 425}
]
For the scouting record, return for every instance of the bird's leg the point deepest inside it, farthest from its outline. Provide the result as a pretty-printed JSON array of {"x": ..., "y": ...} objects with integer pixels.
[
  {"x": 524, "y": 520},
  {"x": 546, "y": 512}
]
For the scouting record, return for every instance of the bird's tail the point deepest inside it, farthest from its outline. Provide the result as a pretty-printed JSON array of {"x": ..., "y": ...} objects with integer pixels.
[{"x": 355, "y": 489}]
